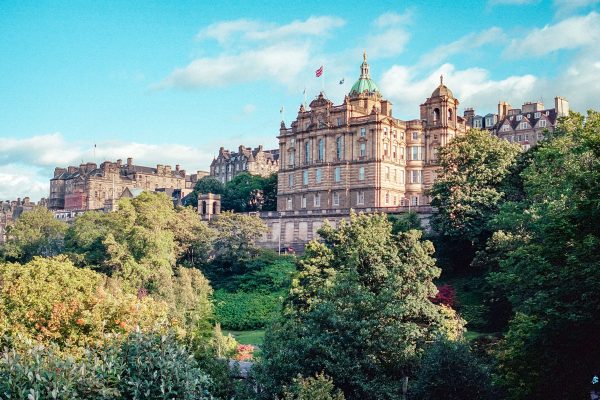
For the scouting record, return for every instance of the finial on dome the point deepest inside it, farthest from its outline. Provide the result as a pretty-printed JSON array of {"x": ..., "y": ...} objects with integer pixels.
[
  {"x": 441, "y": 79},
  {"x": 365, "y": 55}
]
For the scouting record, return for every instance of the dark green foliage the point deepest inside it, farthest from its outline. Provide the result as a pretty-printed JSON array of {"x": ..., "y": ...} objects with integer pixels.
[
  {"x": 35, "y": 233},
  {"x": 359, "y": 311},
  {"x": 247, "y": 192},
  {"x": 545, "y": 258},
  {"x": 450, "y": 371},
  {"x": 206, "y": 184},
  {"x": 405, "y": 222},
  {"x": 246, "y": 311}
]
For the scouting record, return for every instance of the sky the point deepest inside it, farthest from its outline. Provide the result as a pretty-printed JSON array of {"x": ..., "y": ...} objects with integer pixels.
[{"x": 171, "y": 82}]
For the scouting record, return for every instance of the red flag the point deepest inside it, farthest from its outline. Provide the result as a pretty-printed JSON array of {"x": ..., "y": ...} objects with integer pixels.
[{"x": 319, "y": 72}]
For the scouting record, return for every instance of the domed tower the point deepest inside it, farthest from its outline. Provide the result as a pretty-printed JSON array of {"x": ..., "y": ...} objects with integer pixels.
[
  {"x": 365, "y": 93},
  {"x": 439, "y": 115}
]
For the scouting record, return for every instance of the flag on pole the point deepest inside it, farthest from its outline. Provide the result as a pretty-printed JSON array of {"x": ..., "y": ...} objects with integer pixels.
[
  {"x": 342, "y": 81},
  {"x": 319, "y": 72}
]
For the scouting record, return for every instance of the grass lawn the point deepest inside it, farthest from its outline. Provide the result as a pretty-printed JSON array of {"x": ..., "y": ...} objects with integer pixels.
[{"x": 248, "y": 337}]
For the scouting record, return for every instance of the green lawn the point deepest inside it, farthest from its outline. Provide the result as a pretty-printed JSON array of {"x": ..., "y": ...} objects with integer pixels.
[{"x": 248, "y": 337}]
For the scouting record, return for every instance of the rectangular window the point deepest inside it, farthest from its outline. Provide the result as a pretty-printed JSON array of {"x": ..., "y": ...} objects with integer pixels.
[
  {"x": 336, "y": 199},
  {"x": 415, "y": 136},
  {"x": 303, "y": 201},
  {"x": 307, "y": 151},
  {"x": 318, "y": 175},
  {"x": 394, "y": 152},
  {"x": 360, "y": 197},
  {"x": 395, "y": 175},
  {"x": 288, "y": 204},
  {"x": 292, "y": 157},
  {"x": 305, "y": 177},
  {"x": 291, "y": 180},
  {"x": 415, "y": 200},
  {"x": 363, "y": 132},
  {"x": 416, "y": 176},
  {"x": 385, "y": 149},
  {"x": 519, "y": 117},
  {"x": 339, "y": 121},
  {"x": 416, "y": 153},
  {"x": 363, "y": 149},
  {"x": 321, "y": 150},
  {"x": 338, "y": 174},
  {"x": 339, "y": 148},
  {"x": 537, "y": 114},
  {"x": 387, "y": 173},
  {"x": 384, "y": 131},
  {"x": 361, "y": 174},
  {"x": 542, "y": 123}
]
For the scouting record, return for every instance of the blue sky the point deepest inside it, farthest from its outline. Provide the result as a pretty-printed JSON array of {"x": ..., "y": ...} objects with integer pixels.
[{"x": 171, "y": 82}]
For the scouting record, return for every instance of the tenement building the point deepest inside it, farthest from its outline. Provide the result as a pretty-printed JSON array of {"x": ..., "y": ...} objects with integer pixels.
[
  {"x": 89, "y": 187},
  {"x": 227, "y": 165},
  {"x": 10, "y": 210},
  {"x": 525, "y": 125},
  {"x": 358, "y": 155}
]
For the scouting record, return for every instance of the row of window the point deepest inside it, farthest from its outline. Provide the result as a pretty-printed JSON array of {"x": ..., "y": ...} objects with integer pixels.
[
  {"x": 524, "y": 125},
  {"x": 230, "y": 168},
  {"x": 391, "y": 200},
  {"x": 414, "y": 176}
]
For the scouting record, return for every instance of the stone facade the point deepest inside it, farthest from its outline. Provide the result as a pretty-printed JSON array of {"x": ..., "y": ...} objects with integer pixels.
[
  {"x": 227, "y": 165},
  {"x": 525, "y": 125},
  {"x": 11, "y": 210},
  {"x": 357, "y": 155},
  {"x": 89, "y": 187}
]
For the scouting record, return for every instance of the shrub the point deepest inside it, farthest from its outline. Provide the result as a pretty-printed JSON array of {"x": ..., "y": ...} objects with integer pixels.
[
  {"x": 318, "y": 388},
  {"x": 446, "y": 295},
  {"x": 245, "y": 311}
]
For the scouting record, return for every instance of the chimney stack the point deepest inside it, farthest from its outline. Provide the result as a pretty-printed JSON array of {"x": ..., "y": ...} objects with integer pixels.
[{"x": 129, "y": 161}]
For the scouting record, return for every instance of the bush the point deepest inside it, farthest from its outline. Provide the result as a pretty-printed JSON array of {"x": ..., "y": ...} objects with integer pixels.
[
  {"x": 246, "y": 311},
  {"x": 446, "y": 295},
  {"x": 318, "y": 388},
  {"x": 450, "y": 371},
  {"x": 142, "y": 367}
]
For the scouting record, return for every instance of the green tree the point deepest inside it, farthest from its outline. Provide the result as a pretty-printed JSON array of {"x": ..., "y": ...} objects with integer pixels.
[
  {"x": 405, "y": 222},
  {"x": 449, "y": 370},
  {"x": 243, "y": 193},
  {"x": 467, "y": 191},
  {"x": 206, "y": 184},
  {"x": 359, "y": 311},
  {"x": 269, "y": 189},
  {"x": 546, "y": 257},
  {"x": 34, "y": 233}
]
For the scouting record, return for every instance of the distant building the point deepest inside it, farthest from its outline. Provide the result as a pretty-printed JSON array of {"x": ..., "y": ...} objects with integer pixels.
[
  {"x": 11, "y": 210},
  {"x": 525, "y": 125},
  {"x": 89, "y": 187},
  {"x": 227, "y": 165}
]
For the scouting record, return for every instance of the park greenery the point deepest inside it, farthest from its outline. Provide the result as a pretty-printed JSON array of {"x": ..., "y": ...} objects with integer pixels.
[{"x": 497, "y": 299}]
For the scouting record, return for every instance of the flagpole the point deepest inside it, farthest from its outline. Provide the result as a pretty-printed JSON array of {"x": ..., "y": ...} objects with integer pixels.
[{"x": 323, "y": 81}]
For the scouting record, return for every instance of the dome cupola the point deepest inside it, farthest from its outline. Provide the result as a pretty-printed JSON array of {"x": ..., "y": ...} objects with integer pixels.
[
  {"x": 364, "y": 83},
  {"x": 442, "y": 90}
]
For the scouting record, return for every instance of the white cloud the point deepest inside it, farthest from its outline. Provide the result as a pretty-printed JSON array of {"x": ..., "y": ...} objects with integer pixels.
[
  {"x": 248, "y": 109},
  {"x": 569, "y": 6},
  {"x": 27, "y": 164},
  {"x": 472, "y": 86},
  {"x": 571, "y": 33},
  {"x": 462, "y": 45},
  {"x": 392, "y": 19},
  {"x": 226, "y": 31}
]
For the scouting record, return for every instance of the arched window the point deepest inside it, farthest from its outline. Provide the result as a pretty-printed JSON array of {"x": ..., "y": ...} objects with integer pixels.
[
  {"x": 449, "y": 114},
  {"x": 436, "y": 114},
  {"x": 307, "y": 151},
  {"x": 204, "y": 208},
  {"x": 214, "y": 207}
]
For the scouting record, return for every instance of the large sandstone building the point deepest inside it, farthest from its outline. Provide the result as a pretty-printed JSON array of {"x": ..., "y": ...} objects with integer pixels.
[
  {"x": 358, "y": 155},
  {"x": 227, "y": 165},
  {"x": 525, "y": 125},
  {"x": 10, "y": 210},
  {"x": 89, "y": 187}
]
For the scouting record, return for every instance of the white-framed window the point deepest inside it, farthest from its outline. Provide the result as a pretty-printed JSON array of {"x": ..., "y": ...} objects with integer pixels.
[
  {"x": 416, "y": 176},
  {"x": 335, "y": 199},
  {"x": 360, "y": 197},
  {"x": 337, "y": 174},
  {"x": 476, "y": 123},
  {"x": 519, "y": 138},
  {"x": 416, "y": 153},
  {"x": 318, "y": 175},
  {"x": 339, "y": 148},
  {"x": 506, "y": 128},
  {"x": 363, "y": 132},
  {"x": 305, "y": 177},
  {"x": 288, "y": 203},
  {"x": 303, "y": 201},
  {"x": 363, "y": 150},
  {"x": 361, "y": 174},
  {"x": 307, "y": 151},
  {"x": 317, "y": 200},
  {"x": 415, "y": 136},
  {"x": 542, "y": 123},
  {"x": 519, "y": 117},
  {"x": 415, "y": 200},
  {"x": 291, "y": 180},
  {"x": 321, "y": 150},
  {"x": 523, "y": 125},
  {"x": 537, "y": 114}
]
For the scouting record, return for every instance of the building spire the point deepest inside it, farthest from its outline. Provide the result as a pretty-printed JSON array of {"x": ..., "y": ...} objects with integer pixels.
[
  {"x": 365, "y": 55},
  {"x": 364, "y": 68},
  {"x": 441, "y": 80}
]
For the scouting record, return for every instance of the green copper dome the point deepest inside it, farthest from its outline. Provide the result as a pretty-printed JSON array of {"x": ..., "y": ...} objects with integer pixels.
[{"x": 364, "y": 82}]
